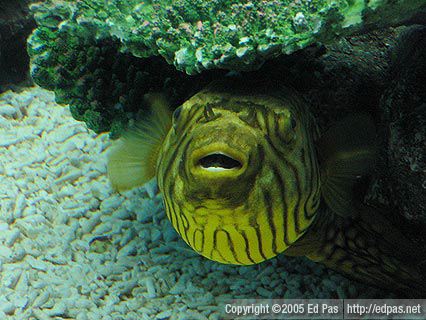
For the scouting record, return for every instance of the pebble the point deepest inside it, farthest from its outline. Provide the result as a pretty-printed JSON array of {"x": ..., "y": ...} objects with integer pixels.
[
  {"x": 127, "y": 250},
  {"x": 155, "y": 235},
  {"x": 5, "y": 123},
  {"x": 263, "y": 292},
  {"x": 55, "y": 197},
  {"x": 102, "y": 228},
  {"x": 6, "y": 142},
  {"x": 99, "y": 190},
  {"x": 12, "y": 279},
  {"x": 111, "y": 203},
  {"x": 41, "y": 299},
  {"x": 21, "y": 301},
  {"x": 69, "y": 177},
  {"x": 65, "y": 132},
  {"x": 193, "y": 315},
  {"x": 84, "y": 304},
  {"x": 22, "y": 284},
  {"x": 128, "y": 235},
  {"x": 150, "y": 287},
  {"x": 89, "y": 224},
  {"x": 169, "y": 234},
  {"x": 58, "y": 310},
  {"x": 5, "y": 252},
  {"x": 38, "y": 264},
  {"x": 18, "y": 254},
  {"x": 164, "y": 315},
  {"x": 41, "y": 315},
  {"x": 7, "y": 110},
  {"x": 7, "y": 307}
]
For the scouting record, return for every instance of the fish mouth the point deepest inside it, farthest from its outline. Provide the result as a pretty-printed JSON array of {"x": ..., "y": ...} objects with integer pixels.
[{"x": 217, "y": 159}]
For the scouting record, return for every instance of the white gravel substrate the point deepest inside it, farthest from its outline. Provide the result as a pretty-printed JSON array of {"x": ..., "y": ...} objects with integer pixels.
[{"x": 72, "y": 248}]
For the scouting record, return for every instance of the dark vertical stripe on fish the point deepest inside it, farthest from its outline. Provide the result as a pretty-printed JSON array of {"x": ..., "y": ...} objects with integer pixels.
[
  {"x": 296, "y": 180},
  {"x": 281, "y": 187},
  {"x": 269, "y": 214},
  {"x": 248, "y": 251}
]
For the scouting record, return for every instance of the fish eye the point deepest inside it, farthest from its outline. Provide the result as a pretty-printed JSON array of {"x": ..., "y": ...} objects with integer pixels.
[
  {"x": 209, "y": 114},
  {"x": 177, "y": 113}
]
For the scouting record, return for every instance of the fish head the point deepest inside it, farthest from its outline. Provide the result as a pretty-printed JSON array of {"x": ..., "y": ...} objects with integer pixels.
[{"x": 239, "y": 182}]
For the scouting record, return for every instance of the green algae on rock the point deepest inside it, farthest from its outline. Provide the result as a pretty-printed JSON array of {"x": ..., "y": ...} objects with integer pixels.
[
  {"x": 102, "y": 56},
  {"x": 104, "y": 87},
  {"x": 237, "y": 35}
]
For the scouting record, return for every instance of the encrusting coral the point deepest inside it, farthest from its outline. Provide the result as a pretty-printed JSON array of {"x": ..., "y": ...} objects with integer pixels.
[
  {"x": 101, "y": 56},
  {"x": 237, "y": 35}
]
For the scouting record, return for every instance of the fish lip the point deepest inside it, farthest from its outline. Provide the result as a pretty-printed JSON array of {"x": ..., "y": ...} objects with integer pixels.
[{"x": 219, "y": 148}]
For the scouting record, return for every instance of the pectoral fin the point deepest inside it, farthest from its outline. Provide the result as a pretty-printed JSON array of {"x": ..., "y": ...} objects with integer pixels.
[
  {"x": 132, "y": 159},
  {"x": 347, "y": 152}
]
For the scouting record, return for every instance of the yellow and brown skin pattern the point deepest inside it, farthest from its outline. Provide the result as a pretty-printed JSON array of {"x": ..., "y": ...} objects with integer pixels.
[
  {"x": 256, "y": 211},
  {"x": 269, "y": 203},
  {"x": 367, "y": 248}
]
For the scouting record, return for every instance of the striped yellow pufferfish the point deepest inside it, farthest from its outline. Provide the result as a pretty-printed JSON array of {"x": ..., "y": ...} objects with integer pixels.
[{"x": 243, "y": 173}]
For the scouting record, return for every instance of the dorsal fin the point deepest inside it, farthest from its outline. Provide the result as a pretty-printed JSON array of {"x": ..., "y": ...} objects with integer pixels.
[
  {"x": 132, "y": 159},
  {"x": 347, "y": 151}
]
